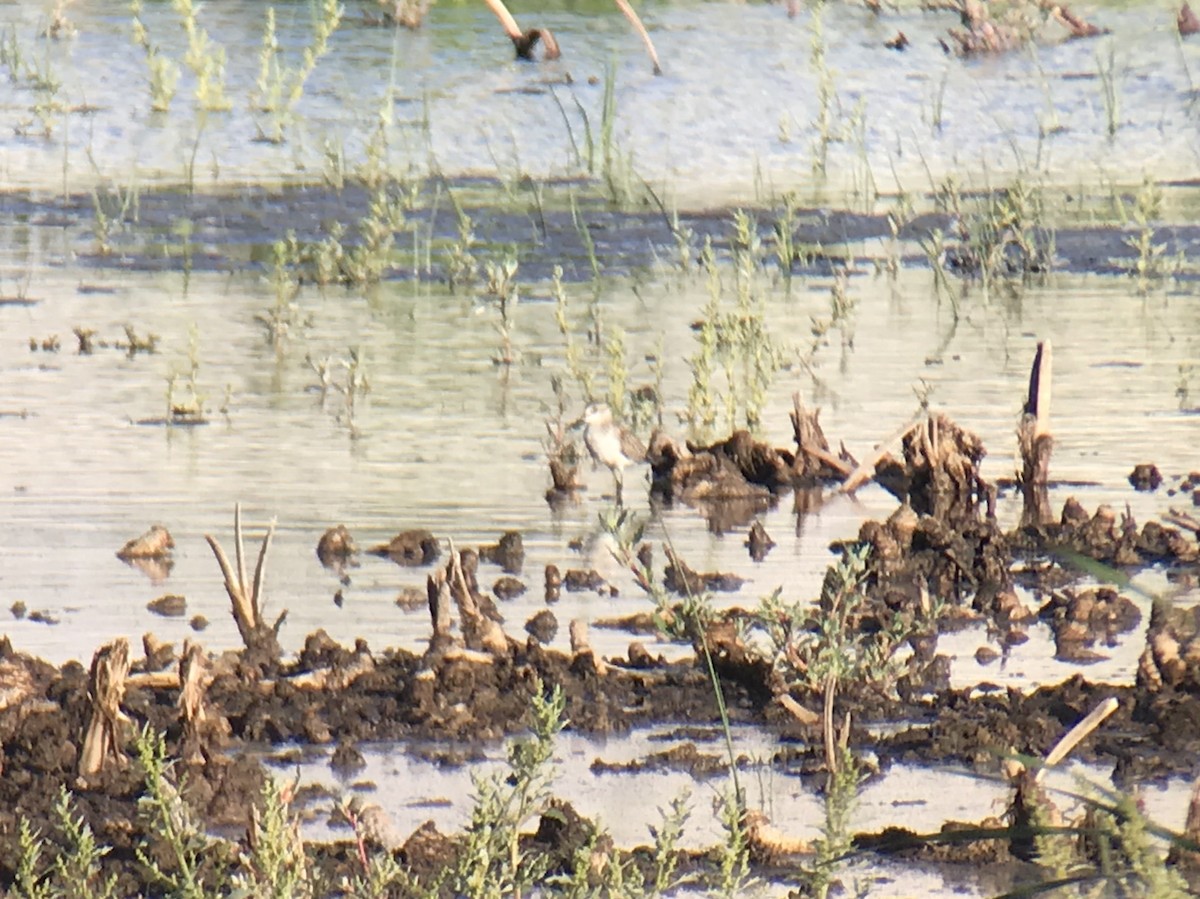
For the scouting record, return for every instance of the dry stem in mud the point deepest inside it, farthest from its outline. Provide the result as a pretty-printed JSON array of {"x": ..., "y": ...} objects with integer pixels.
[
  {"x": 105, "y": 738},
  {"x": 246, "y": 597},
  {"x": 1035, "y": 441}
]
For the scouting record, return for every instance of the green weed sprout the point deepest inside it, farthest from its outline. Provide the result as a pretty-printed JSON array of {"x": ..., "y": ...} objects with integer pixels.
[
  {"x": 279, "y": 89},
  {"x": 164, "y": 74},
  {"x": 491, "y": 863}
]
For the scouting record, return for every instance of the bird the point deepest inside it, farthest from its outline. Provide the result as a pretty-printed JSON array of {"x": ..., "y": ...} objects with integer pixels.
[{"x": 610, "y": 444}]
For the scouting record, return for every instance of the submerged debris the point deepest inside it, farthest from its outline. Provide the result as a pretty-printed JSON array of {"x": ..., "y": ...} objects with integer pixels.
[
  {"x": 1014, "y": 26},
  {"x": 1145, "y": 477},
  {"x": 758, "y": 541},
  {"x": 508, "y": 553},
  {"x": 1081, "y": 617},
  {"x": 507, "y": 588},
  {"x": 410, "y": 548},
  {"x": 679, "y": 578},
  {"x": 169, "y": 605},
  {"x": 156, "y": 543},
  {"x": 336, "y": 546},
  {"x": 543, "y": 626}
]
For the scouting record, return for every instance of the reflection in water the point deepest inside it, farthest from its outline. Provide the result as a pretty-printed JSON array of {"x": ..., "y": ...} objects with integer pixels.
[
  {"x": 445, "y": 441},
  {"x": 714, "y": 128},
  {"x": 433, "y": 455}
]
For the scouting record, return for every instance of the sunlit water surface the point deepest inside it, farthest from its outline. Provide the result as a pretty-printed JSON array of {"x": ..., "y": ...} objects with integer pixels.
[
  {"x": 734, "y": 112},
  {"x": 447, "y": 440}
]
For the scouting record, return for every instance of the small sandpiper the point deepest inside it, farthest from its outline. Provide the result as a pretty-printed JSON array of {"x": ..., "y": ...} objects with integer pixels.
[{"x": 609, "y": 443}]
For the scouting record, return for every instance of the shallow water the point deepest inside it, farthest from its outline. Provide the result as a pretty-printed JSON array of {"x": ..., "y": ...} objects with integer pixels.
[
  {"x": 413, "y": 790},
  {"x": 732, "y": 114},
  {"x": 450, "y": 442},
  {"x": 447, "y": 440}
]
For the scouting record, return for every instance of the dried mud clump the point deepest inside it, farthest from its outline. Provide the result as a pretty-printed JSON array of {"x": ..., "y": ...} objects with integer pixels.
[
  {"x": 156, "y": 543},
  {"x": 336, "y": 546},
  {"x": 410, "y": 548},
  {"x": 508, "y": 553},
  {"x": 681, "y": 579},
  {"x": 1171, "y": 659},
  {"x": 1080, "y": 618},
  {"x": 999, "y": 28},
  {"x": 707, "y": 474},
  {"x": 1109, "y": 538},
  {"x": 1145, "y": 477},
  {"x": 758, "y": 541},
  {"x": 943, "y": 541}
]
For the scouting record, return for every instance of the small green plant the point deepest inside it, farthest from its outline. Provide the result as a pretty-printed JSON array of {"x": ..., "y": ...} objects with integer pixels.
[
  {"x": 78, "y": 869},
  {"x": 1124, "y": 853},
  {"x": 501, "y": 280},
  {"x": 685, "y": 243},
  {"x": 937, "y": 102},
  {"x": 618, "y": 371},
  {"x": 205, "y": 59},
  {"x": 188, "y": 409},
  {"x": 666, "y": 842},
  {"x": 1183, "y": 386},
  {"x": 276, "y": 866},
  {"x": 577, "y": 368},
  {"x": 352, "y": 384},
  {"x": 164, "y": 73},
  {"x": 268, "y": 94},
  {"x": 113, "y": 209},
  {"x": 38, "y": 77},
  {"x": 702, "y": 407},
  {"x": 283, "y": 315},
  {"x": 823, "y": 125},
  {"x": 1148, "y": 266},
  {"x": 841, "y": 305},
  {"x": 59, "y": 25},
  {"x": 335, "y": 259},
  {"x": 784, "y": 237},
  {"x": 826, "y": 91},
  {"x": 835, "y": 841},
  {"x": 334, "y": 170},
  {"x": 30, "y": 881},
  {"x": 735, "y": 358},
  {"x": 373, "y": 172},
  {"x": 934, "y": 245},
  {"x": 279, "y": 89},
  {"x": 75, "y": 868},
  {"x": 615, "y": 165},
  {"x": 163, "y": 812},
  {"x": 371, "y": 259},
  {"x": 734, "y": 861},
  {"x": 1007, "y": 237},
  {"x": 461, "y": 266},
  {"x": 491, "y": 863},
  {"x": 356, "y": 385},
  {"x": 1048, "y": 120}
]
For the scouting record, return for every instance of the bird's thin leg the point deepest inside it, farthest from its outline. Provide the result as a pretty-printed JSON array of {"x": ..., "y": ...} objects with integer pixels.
[{"x": 620, "y": 481}]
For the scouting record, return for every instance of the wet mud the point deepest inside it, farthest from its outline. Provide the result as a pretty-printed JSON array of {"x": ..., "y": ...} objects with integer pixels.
[{"x": 235, "y": 230}]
